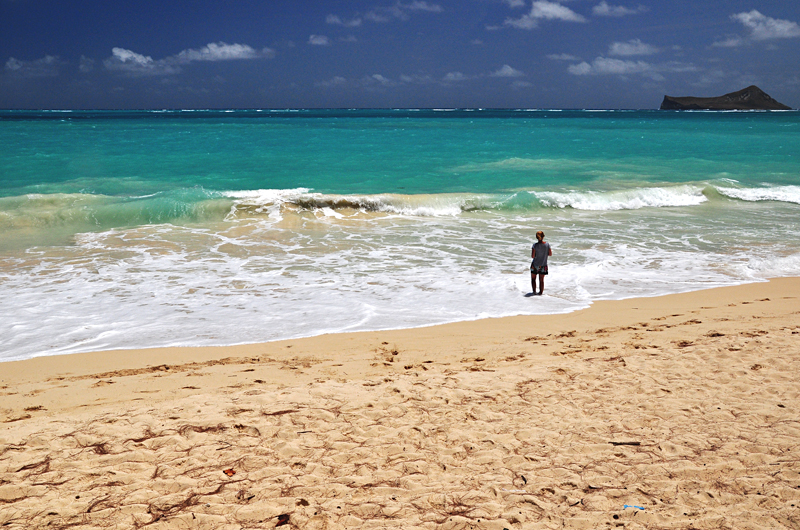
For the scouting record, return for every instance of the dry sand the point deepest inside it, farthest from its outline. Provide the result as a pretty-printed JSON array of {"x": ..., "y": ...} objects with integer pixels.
[{"x": 686, "y": 406}]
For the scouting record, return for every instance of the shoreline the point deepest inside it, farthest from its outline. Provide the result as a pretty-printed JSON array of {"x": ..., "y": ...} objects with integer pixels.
[
  {"x": 135, "y": 361},
  {"x": 684, "y": 405},
  {"x": 589, "y": 304}
]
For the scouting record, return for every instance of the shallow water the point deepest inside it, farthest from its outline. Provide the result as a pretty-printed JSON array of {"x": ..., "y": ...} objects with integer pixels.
[{"x": 149, "y": 229}]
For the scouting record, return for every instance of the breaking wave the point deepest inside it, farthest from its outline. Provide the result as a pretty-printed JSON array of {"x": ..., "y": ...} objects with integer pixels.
[
  {"x": 632, "y": 199},
  {"x": 772, "y": 193},
  {"x": 272, "y": 201},
  {"x": 79, "y": 212}
]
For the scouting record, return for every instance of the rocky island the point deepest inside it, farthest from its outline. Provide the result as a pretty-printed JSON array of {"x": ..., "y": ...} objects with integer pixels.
[{"x": 750, "y": 98}]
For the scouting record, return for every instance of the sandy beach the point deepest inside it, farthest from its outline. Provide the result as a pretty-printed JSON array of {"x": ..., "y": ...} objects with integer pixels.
[{"x": 679, "y": 411}]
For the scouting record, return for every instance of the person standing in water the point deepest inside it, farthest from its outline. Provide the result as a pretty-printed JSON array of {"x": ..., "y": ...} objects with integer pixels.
[{"x": 539, "y": 253}]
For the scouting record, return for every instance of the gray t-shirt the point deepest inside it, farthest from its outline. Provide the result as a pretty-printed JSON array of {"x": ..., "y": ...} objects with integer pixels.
[{"x": 542, "y": 250}]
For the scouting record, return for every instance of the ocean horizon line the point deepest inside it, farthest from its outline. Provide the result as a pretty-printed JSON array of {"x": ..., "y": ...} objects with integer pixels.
[{"x": 392, "y": 109}]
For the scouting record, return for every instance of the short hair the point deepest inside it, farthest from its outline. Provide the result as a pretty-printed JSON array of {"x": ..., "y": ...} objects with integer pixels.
[{"x": 540, "y": 233}]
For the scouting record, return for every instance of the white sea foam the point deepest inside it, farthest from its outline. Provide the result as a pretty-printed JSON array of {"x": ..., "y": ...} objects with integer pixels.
[
  {"x": 772, "y": 193},
  {"x": 162, "y": 285},
  {"x": 772, "y": 266},
  {"x": 450, "y": 205},
  {"x": 267, "y": 195},
  {"x": 624, "y": 199},
  {"x": 405, "y": 205}
]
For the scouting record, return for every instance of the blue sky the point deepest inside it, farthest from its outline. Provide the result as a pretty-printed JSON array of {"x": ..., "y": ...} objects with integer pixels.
[{"x": 393, "y": 53}]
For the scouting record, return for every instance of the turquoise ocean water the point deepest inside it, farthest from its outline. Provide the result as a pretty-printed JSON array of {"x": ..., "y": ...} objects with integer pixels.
[{"x": 157, "y": 228}]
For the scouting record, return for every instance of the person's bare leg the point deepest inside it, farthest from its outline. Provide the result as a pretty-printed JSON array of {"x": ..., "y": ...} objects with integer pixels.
[
  {"x": 533, "y": 283},
  {"x": 541, "y": 284}
]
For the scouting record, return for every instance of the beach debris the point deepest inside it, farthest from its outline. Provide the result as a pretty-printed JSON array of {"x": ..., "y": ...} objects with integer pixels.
[
  {"x": 244, "y": 495},
  {"x": 281, "y": 412},
  {"x": 248, "y": 430},
  {"x": 184, "y": 430},
  {"x": 230, "y": 472},
  {"x": 632, "y": 506},
  {"x": 625, "y": 443},
  {"x": 534, "y": 338},
  {"x": 282, "y": 519}
]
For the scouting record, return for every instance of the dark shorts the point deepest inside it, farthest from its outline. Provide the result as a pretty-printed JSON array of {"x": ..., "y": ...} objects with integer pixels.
[{"x": 539, "y": 270}]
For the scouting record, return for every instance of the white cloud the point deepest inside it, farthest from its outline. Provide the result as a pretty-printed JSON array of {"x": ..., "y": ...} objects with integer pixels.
[
  {"x": 137, "y": 64},
  {"x": 729, "y": 42},
  {"x": 583, "y": 68},
  {"x": 610, "y": 66},
  {"x": 507, "y": 71},
  {"x": 604, "y": 9},
  {"x": 319, "y": 40},
  {"x": 761, "y": 28},
  {"x": 130, "y": 57},
  {"x": 544, "y": 10},
  {"x": 632, "y": 47},
  {"x": 421, "y": 6},
  {"x": 515, "y": 3},
  {"x": 337, "y": 20},
  {"x": 382, "y": 80},
  {"x": 417, "y": 79},
  {"x": 401, "y": 11},
  {"x": 562, "y": 57},
  {"x": 374, "y": 16},
  {"x": 521, "y": 84},
  {"x": 376, "y": 82},
  {"x": 604, "y": 65},
  {"x": 454, "y": 77},
  {"x": 13, "y": 64},
  {"x": 336, "y": 81},
  {"x": 765, "y": 28},
  {"x": 220, "y": 51},
  {"x": 47, "y": 66},
  {"x": 554, "y": 11}
]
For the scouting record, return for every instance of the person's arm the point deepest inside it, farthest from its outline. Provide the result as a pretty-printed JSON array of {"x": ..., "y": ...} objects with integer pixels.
[
  {"x": 549, "y": 250},
  {"x": 533, "y": 252}
]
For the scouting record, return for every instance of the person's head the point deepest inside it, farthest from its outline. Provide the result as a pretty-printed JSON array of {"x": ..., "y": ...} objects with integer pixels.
[{"x": 540, "y": 235}]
